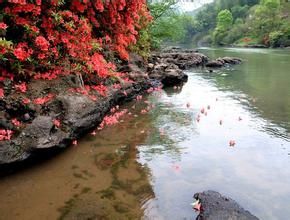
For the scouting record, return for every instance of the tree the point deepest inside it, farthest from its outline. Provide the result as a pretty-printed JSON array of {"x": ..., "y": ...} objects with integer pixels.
[
  {"x": 224, "y": 19},
  {"x": 224, "y": 22}
]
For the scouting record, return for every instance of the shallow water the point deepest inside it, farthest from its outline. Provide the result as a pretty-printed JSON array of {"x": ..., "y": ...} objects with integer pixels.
[{"x": 150, "y": 165}]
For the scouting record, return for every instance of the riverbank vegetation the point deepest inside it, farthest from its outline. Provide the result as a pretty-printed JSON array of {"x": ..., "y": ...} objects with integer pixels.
[
  {"x": 254, "y": 23},
  {"x": 264, "y": 23}
]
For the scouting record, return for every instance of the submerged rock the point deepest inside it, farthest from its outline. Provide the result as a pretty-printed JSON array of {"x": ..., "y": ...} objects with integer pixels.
[{"x": 214, "y": 206}]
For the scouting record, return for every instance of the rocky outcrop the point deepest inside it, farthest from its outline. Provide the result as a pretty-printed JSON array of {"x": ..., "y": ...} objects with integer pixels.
[
  {"x": 78, "y": 114},
  {"x": 168, "y": 66},
  {"x": 215, "y": 206},
  {"x": 221, "y": 62}
]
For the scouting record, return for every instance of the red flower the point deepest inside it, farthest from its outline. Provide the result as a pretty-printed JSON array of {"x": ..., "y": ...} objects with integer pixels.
[
  {"x": 26, "y": 101},
  {"x": 3, "y": 26},
  {"x": 20, "y": 54},
  {"x": 21, "y": 87},
  {"x": 42, "y": 43},
  {"x": 1, "y": 93},
  {"x": 56, "y": 122},
  {"x": 43, "y": 100},
  {"x": 5, "y": 134},
  {"x": 15, "y": 122}
]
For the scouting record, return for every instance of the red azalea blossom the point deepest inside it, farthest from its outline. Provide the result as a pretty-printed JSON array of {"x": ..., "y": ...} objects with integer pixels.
[
  {"x": 61, "y": 39},
  {"x": 3, "y": 26},
  {"x": 21, "y": 87},
  {"x": 5, "y": 134},
  {"x": 15, "y": 122},
  {"x": 101, "y": 89},
  {"x": 20, "y": 54},
  {"x": 43, "y": 100},
  {"x": 42, "y": 43},
  {"x": 26, "y": 101},
  {"x": 56, "y": 122},
  {"x": 1, "y": 93}
]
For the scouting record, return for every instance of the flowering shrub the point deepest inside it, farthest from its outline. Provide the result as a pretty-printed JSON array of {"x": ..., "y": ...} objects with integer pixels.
[{"x": 44, "y": 39}]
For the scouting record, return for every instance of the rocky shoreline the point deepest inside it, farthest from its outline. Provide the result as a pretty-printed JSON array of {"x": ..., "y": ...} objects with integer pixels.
[{"x": 80, "y": 113}]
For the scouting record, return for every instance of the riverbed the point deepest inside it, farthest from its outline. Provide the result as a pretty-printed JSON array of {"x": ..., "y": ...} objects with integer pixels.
[{"x": 171, "y": 144}]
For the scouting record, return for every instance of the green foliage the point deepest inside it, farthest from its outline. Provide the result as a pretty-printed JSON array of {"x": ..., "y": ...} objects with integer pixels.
[
  {"x": 169, "y": 24},
  {"x": 225, "y": 19},
  {"x": 224, "y": 23},
  {"x": 275, "y": 38},
  {"x": 264, "y": 22}
]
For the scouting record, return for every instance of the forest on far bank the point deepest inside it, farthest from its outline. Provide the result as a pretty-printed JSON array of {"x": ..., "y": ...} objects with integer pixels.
[{"x": 261, "y": 23}]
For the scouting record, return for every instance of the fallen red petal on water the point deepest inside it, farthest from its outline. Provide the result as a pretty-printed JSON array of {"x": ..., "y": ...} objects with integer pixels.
[
  {"x": 176, "y": 167},
  {"x": 232, "y": 143}
]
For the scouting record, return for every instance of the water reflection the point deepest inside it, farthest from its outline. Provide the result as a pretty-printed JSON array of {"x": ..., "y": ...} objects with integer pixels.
[{"x": 264, "y": 79}]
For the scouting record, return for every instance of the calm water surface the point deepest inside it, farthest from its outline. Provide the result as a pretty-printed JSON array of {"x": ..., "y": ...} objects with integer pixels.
[{"x": 150, "y": 165}]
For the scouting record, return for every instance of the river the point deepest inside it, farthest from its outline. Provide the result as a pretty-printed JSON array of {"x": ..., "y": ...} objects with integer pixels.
[{"x": 149, "y": 165}]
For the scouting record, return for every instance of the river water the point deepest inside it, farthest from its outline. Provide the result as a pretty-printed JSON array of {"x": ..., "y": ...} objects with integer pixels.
[{"x": 149, "y": 165}]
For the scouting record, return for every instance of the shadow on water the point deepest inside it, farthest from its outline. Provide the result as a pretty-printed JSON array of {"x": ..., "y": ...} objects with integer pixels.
[{"x": 99, "y": 179}]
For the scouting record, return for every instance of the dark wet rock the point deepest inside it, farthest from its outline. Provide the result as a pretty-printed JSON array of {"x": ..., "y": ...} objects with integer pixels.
[
  {"x": 168, "y": 74},
  {"x": 215, "y": 64},
  {"x": 232, "y": 60},
  {"x": 11, "y": 152},
  {"x": 167, "y": 66},
  {"x": 5, "y": 124},
  {"x": 41, "y": 134},
  {"x": 81, "y": 113},
  {"x": 221, "y": 62},
  {"x": 214, "y": 206},
  {"x": 184, "y": 60}
]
